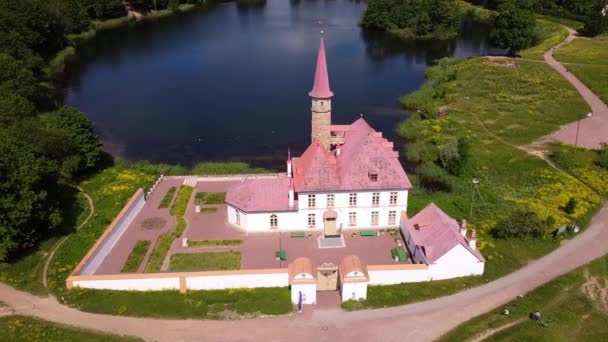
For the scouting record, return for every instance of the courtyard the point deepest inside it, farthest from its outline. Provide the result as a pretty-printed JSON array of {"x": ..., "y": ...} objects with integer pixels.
[{"x": 214, "y": 244}]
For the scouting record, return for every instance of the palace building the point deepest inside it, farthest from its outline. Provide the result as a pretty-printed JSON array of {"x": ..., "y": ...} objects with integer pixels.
[{"x": 349, "y": 177}]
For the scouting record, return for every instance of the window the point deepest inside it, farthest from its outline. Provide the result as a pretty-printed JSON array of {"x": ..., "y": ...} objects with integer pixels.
[
  {"x": 374, "y": 218},
  {"x": 392, "y": 217},
  {"x": 312, "y": 221},
  {"x": 238, "y": 218},
  {"x": 312, "y": 201},
  {"x": 330, "y": 200},
  {"x": 375, "y": 198},
  {"x": 352, "y": 219},
  {"x": 352, "y": 200},
  {"x": 373, "y": 177},
  {"x": 393, "y": 199},
  {"x": 274, "y": 222}
]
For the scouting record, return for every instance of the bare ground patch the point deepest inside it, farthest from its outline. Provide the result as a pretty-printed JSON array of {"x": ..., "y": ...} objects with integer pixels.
[
  {"x": 596, "y": 290},
  {"x": 482, "y": 336},
  {"x": 154, "y": 223}
]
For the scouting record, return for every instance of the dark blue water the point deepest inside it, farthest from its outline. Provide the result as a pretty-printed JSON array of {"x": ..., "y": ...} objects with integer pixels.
[{"x": 231, "y": 82}]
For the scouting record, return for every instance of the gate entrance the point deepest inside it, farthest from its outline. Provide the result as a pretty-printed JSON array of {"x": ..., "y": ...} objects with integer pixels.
[{"x": 327, "y": 277}]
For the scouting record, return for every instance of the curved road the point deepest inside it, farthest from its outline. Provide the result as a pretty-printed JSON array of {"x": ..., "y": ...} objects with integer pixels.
[
  {"x": 594, "y": 130},
  {"x": 422, "y": 321}
]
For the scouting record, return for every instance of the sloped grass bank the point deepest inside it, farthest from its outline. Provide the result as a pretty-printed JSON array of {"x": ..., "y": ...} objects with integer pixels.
[
  {"x": 27, "y": 329},
  {"x": 212, "y": 304},
  {"x": 570, "y": 304},
  {"x": 496, "y": 108}
]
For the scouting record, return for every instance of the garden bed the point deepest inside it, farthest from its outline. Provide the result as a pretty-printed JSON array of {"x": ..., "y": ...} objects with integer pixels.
[{"x": 215, "y": 261}]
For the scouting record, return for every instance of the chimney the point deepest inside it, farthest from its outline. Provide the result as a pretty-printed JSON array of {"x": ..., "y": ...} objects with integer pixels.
[
  {"x": 473, "y": 240},
  {"x": 291, "y": 195},
  {"x": 463, "y": 228},
  {"x": 289, "y": 173}
]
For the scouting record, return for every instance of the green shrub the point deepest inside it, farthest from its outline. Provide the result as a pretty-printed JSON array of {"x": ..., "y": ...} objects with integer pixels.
[
  {"x": 454, "y": 156},
  {"x": 570, "y": 207},
  {"x": 520, "y": 225},
  {"x": 602, "y": 158},
  {"x": 173, "y": 5}
]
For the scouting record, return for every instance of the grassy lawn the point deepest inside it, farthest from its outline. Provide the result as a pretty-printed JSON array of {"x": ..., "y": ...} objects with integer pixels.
[
  {"x": 572, "y": 304},
  {"x": 200, "y": 243},
  {"x": 588, "y": 60},
  {"x": 581, "y": 164},
  {"x": 166, "y": 201},
  {"x": 136, "y": 256},
  {"x": 216, "y": 261},
  {"x": 28, "y": 329},
  {"x": 210, "y": 198},
  {"x": 212, "y": 304},
  {"x": 494, "y": 107},
  {"x": 208, "y": 210}
]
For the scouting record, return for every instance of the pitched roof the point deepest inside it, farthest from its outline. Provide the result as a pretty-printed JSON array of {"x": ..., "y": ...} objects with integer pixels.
[
  {"x": 320, "y": 89},
  {"x": 364, "y": 153},
  {"x": 261, "y": 194},
  {"x": 436, "y": 233}
]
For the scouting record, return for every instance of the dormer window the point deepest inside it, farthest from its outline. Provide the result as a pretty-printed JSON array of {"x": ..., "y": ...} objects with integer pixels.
[{"x": 373, "y": 177}]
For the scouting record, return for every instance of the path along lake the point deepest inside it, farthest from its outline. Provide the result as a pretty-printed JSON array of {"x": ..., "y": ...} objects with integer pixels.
[{"x": 231, "y": 83}]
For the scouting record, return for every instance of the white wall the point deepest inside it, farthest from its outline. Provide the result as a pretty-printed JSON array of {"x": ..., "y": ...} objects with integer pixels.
[
  {"x": 237, "y": 281},
  {"x": 110, "y": 241},
  {"x": 150, "y": 284},
  {"x": 298, "y": 220},
  {"x": 309, "y": 293},
  {"x": 359, "y": 290},
  {"x": 458, "y": 262},
  {"x": 390, "y": 277}
]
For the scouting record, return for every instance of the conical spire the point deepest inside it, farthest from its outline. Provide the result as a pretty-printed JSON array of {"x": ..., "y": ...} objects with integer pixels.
[{"x": 321, "y": 87}]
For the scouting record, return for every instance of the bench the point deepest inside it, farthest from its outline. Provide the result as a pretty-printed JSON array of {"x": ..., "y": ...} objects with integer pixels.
[
  {"x": 297, "y": 234},
  {"x": 368, "y": 232},
  {"x": 399, "y": 253},
  {"x": 282, "y": 254}
]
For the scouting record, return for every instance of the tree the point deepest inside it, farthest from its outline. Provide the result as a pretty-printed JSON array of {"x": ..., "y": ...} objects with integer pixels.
[
  {"x": 514, "y": 26},
  {"x": 173, "y": 5},
  {"x": 602, "y": 158},
  {"x": 520, "y": 225},
  {"x": 78, "y": 131},
  {"x": 16, "y": 79},
  {"x": 596, "y": 20},
  {"x": 27, "y": 209},
  {"x": 14, "y": 107}
]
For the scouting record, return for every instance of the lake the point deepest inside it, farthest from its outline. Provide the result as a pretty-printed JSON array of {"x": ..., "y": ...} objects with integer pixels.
[{"x": 231, "y": 83}]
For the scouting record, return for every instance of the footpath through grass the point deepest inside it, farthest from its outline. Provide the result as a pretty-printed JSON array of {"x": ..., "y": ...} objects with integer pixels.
[
  {"x": 28, "y": 329},
  {"x": 574, "y": 306},
  {"x": 495, "y": 107},
  {"x": 215, "y": 261},
  {"x": 587, "y": 59}
]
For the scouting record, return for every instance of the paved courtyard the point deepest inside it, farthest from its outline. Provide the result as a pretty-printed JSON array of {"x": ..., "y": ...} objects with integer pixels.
[{"x": 257, "y": 249}]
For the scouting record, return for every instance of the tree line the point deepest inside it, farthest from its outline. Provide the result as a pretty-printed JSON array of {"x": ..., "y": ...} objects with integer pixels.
[{"x": 436, "y": 18}]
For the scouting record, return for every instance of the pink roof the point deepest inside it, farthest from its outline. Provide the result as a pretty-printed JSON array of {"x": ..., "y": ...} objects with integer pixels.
[
  {"x": 320, "y": 88},
  {"x": 261, "y": 194},
  {"x": 364, "y": 153},
  {"x": 436, "y": 233}
]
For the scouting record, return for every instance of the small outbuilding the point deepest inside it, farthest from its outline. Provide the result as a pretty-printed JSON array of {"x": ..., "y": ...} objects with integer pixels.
[
  {"x": 353, "y": 279},
  {"x": 302, "y": 281}
]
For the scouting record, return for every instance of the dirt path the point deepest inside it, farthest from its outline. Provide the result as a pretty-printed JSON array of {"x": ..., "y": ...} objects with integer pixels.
[
  {"x": 45, "y": 270},
  {"x": 592, "y": 131}
]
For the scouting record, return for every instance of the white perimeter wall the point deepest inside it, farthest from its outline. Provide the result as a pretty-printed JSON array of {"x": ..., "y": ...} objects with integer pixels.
[
  {"x": 196, "y": 281},
  {"x": 298, "y": 220},
  {"x": 110, "y": 241},
  {"x": 150, "y": 284},
  {"x": 309, "y": 293},
  {"x": 390, "y": 277},
  {"x": 237, "y": 281},
  {"x": 353, "y": 291}
]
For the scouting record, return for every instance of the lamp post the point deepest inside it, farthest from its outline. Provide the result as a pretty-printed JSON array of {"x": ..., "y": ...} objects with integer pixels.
[
  {"x": 475, "y": 182},
  {"x": 578, "y": 126}
]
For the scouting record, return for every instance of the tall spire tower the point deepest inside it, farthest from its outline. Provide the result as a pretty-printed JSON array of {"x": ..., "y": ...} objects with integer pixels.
[{"x": 321, "y": 101}]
